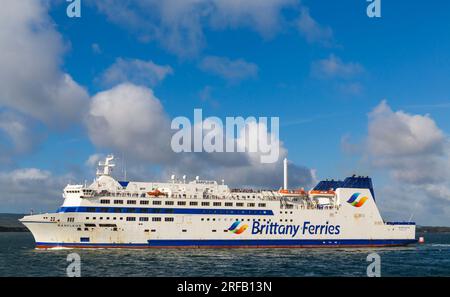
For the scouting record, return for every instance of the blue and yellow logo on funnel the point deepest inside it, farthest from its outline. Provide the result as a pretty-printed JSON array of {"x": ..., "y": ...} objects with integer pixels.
[{"x": 357, "y": 201}]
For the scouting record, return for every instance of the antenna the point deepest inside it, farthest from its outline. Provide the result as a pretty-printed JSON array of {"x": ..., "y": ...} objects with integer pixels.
[
  {"x": 412, "y": 213},
  {"x": 124, "y": 167},
  {"x": 285, "y": 165}
]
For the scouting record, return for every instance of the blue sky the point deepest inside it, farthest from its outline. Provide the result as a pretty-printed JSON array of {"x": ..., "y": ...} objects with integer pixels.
[{"x": 322, "y": 80}]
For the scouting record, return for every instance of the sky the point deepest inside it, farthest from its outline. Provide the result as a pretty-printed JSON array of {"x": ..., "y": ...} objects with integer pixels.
[{"x": 354, "y": 95}]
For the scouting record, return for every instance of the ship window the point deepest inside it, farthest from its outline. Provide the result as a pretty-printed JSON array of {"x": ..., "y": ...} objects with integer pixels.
[
  {"x": 228, "y": 203},
  {"x": 87, "y": 218},
  {"x": 261, "y": 205},
  {"x": 131, "y": 219},
  {"x": 217, "y": 204},
  {"x": 131, "y": 201},
  {"x": 78, "y": 229},
  {"x": 156, "y": 202},
  {"x": 143, "y": 219},
  {"x": 251, "y": 204},
  {"x": 168, "y": 219},
  {"x": 153, "y": 230},
  {"x": 239, "y": 204},
  {"x": 108, "y": 225},
  {"x": 84, "y": 239},
  {"x": 205, "y": 203},
  {"x": 193, "y": 203},
  {"x": 104, "y": 201},
  {"x": 181, "y": 202},
  {"x": 184, "y": 230},
  {"x": 203, "y": 219},
  {"x": 214, "y": 230},
  {"x": 169, "y": 202},
  {"x": 118, "y": 201},
  {"x": 156, "y": 219},
  {"x": 144, "y": 201}
]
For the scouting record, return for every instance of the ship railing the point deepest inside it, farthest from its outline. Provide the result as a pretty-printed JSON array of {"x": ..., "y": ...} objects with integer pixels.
[
  {"x": 209, "y": 196},
  {"x": 309, "y": 207}
]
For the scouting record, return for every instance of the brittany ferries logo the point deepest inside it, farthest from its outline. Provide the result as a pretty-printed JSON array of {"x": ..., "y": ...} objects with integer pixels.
[
  {"x": 357, "y": 201},
  {"x": 234, "y": 228}
]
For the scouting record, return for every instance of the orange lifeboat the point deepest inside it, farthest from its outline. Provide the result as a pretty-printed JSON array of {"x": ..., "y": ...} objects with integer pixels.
[
  {"x": 299, "y": 192},
  {"x": 325, "y": 193},
  {"x": 156, "y": 193}
]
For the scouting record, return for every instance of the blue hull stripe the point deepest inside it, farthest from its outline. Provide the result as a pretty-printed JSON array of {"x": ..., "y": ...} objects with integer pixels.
[
  {"x": 216, "y": 211},
  {"x": 241, "y": 243}
]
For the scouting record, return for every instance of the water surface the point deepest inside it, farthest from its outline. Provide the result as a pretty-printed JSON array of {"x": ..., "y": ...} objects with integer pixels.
[{"x": 18, "y": 257}]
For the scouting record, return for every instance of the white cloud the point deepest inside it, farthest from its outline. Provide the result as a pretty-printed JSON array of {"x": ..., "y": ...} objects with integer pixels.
[
  {"x": 135, "y": 71},
  {"x": 414, "y": 134},
  {"x": 415, "y": 155},
  {"x": 31, "y": 80},
  {"x": 179, "y": 25},
  {"x": 28, "y": 174},
  {"x": 231, "y": 70},
  {"x": 31, "y": 188},
  {"x": 130, "y": 121},
  {"x": 334, "y": 67},
  {"x": 263, "y": 16},
  {"x": 312, "y": 30},
  {"x": 412, "y": 146},
  {"x": 130, "y": 118},
  {"x": 96, "y": 48},
  {"x": 93, "y": 160},
  {"x": 19, "y": 136}
]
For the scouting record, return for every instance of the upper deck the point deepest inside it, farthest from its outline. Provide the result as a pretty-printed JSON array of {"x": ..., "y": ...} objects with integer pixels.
[{"x": 322, "y": 196}]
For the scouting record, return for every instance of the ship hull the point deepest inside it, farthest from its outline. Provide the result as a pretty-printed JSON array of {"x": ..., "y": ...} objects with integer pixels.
[
  {"x": 267, "y": 225},
  {"x": 351, "y": 243}
]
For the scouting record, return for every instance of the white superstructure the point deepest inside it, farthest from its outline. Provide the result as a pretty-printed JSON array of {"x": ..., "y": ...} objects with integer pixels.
[{"x": 201, "y": 213}]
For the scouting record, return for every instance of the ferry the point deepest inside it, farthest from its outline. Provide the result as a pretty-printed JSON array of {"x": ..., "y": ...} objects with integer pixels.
[{"x": 111, "y": 213}]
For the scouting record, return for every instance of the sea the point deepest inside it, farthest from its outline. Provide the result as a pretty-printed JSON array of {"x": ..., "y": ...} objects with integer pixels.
[{"x": 18, "y": 257}]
